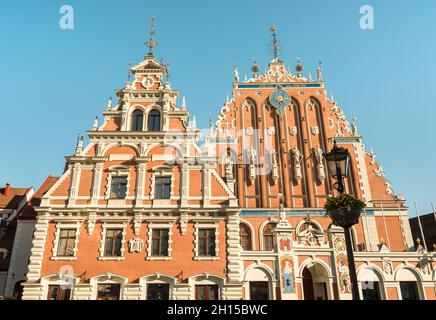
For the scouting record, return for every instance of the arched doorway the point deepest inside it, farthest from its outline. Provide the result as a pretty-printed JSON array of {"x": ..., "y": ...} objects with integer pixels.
[{"x": 315, "y": 282}]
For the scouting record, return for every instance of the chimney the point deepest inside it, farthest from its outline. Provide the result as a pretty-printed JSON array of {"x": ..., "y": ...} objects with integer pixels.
[{"x": 7, "y": 189}]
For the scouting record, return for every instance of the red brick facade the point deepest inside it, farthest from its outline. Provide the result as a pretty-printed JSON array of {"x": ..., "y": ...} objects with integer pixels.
[{"x": 147, "y": 168}]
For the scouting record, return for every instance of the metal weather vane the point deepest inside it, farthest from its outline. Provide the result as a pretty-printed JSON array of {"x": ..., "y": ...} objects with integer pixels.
[
  {"x": 151, "y": 43},
  {"x": 274, "y": 43}
]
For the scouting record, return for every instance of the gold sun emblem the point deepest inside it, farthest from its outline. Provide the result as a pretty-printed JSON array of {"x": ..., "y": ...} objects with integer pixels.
[{"x": 279, "y": 98}]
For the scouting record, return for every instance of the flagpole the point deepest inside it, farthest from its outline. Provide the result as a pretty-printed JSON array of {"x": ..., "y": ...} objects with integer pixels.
[{"x": 420, "y": 225}]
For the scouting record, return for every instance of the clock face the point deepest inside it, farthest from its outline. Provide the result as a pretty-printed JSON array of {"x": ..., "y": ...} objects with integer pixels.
[
  {"x": 279, "y": 99},
  {"x": 147, "y": 82}
]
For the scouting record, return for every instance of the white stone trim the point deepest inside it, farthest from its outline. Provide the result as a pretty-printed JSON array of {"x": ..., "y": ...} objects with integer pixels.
[
  {"x": 157, "y": 225},
  {"x": 62, "y": 226},
  {"x": 202, "y": 225},
  {"x": 105, "y": 226}
]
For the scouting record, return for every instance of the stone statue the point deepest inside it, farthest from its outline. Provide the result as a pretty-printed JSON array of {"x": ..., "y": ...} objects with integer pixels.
[
  {"x": 319, "y": 154},
  {"x": 109, "y": 104},
  {"x": 235, "y": 73},
  {"x": 229, "y": 166},
  {"x": 95, "y": 124},
  {"x": 79, "y": 146},
  {"x": 354, "y": 127},
  {"x": 297, "y": 156},
  {"x": 252, "y": 155},
  {"x": 275, "y": 169},
  {"x": 319, "y": 72}
]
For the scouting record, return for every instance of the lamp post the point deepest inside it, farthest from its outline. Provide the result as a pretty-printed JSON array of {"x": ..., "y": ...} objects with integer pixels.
[{"x": 338, "y": 165}]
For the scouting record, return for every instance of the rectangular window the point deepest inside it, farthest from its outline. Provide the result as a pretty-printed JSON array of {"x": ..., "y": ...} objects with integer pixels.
[
  {"x": 162, "y": 188},
  {"x": 409, "y": 290},
  {"x": 370, "y": 290},
  {"x": 58, "y": 293},
  {"x": 112, "y": 245},
  {"x": 259, "y": 290},
  {"x": 206, "y": 242},
  {"x": 158, "y": 291},
  {"x": 66, "y": 243},
  {"x": 119, "y": 188},
  {"x": 160, "y": 239},
  {"x": 206, "y": 292},
  {"x": 108, "y": 292}
]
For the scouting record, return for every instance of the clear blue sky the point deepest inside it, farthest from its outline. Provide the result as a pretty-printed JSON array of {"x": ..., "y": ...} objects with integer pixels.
[{"x": 54, "y": 82}]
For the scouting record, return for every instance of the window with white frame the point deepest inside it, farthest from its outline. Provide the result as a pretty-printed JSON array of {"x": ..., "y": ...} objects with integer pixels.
[
  {"x": 159, "y": 241},
  {"x": 162, "y": 183},
  {"x": 118, "y": 187},
  {"x": 206, "y": 241},
  {"x": 65, "y": 244},
  {"x": 112, "y": 244},
  {"x": 118, "y": 183}
]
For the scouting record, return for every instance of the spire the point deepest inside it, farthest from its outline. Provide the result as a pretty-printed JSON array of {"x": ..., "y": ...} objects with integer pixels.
[
  {"x": 79, "y": 145},
  {"x": 319, "y": 72},
  {"x": 183, "y": 103},
  {"x": 274, "y": 44},
  {"x": 211, "y": 126},
  {"x": 129, "y": 72},
  {"x": 151, "y": 43},
  {"x": 354, "y": 127}
]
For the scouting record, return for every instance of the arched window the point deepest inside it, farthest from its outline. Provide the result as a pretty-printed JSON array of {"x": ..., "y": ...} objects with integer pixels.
[
  {"x": 245, "y": 236},
  {"x": 154, "y": 121},
  {"x": 137, "y": 120},
  {"x": 269, "y": 238}
]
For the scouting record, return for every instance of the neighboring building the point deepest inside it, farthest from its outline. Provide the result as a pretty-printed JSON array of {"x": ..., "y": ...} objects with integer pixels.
[
  {"x": 12, "y": 201},
  {"x": 24, "y": 226},
  {"x": 428, "y": 226},
  {"x": 147, "y": 210}
]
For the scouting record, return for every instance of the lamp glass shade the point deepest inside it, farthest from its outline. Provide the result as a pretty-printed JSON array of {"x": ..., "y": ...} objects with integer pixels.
[{"x": 338, "y": 162}]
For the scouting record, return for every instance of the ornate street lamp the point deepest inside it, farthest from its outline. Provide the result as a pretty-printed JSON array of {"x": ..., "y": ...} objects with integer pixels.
[
  {"x": 338, "y": 164},
  {"x": 345, "y": 217}
]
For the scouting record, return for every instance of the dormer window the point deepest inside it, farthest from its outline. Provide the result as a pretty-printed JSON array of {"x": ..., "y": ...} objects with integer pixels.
[
  {"x": 137, "y": 120},
  {"x": 154, "y": 121}
]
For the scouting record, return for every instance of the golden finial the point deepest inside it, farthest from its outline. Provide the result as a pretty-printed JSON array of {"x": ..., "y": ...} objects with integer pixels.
[
  {"x": 255, "y": 68},
  {"x": 274, "y": 44}
]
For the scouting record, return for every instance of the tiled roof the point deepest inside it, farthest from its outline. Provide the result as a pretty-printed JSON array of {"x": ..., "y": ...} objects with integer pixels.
[
  {"x": 13, "y": 199},
  {"x": 28, "y": 211}
]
